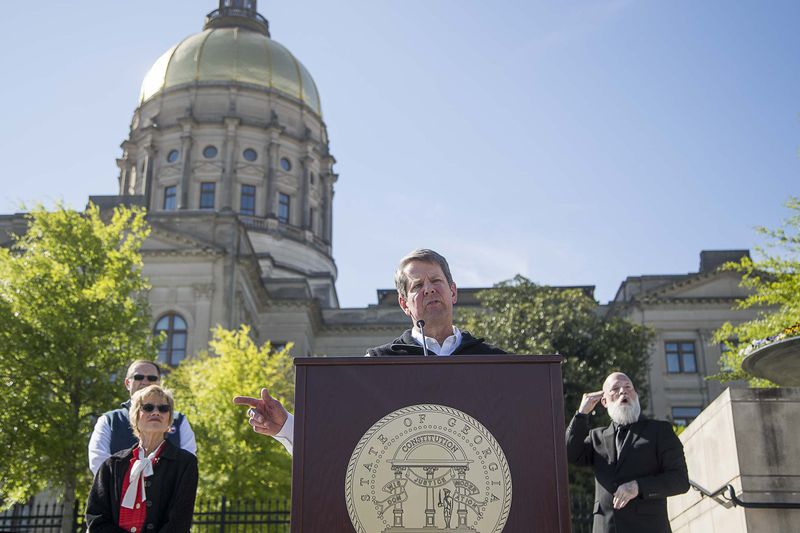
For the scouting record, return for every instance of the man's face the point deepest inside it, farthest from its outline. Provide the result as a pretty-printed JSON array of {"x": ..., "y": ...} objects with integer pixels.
[
  {"x": 144, "y": 370},
  {"x": 428, "y": 295},
  {"x": 618, "y": 390}
]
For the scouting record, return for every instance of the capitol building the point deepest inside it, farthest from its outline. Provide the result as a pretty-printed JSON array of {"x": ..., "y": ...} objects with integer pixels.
[{"x": 229, "y": 153}]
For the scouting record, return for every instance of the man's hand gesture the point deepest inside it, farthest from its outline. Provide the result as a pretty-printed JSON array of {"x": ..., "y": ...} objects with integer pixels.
[
  {"x": 589, "y": 402},
  {"x": 267, "y": 415}
]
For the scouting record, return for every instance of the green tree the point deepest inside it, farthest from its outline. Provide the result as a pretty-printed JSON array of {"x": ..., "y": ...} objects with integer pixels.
[
  {"x": 775, "y": 282},
  {"x": 525, "y": 318},
  {"x": 73, "y": 311},
  {"x": 235, "y": 462}
]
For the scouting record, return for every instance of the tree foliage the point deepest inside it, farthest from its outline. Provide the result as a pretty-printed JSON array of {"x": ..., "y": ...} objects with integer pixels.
[
  {"x": 775, "y": 282},
  {"x": 525, "y": 318},
  {"x": 235, "y": 462},
  {"x": 73, "y": 311}
]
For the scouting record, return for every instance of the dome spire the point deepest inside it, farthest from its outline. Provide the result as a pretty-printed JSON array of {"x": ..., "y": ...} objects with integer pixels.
[{"x": 237, "y": 14}]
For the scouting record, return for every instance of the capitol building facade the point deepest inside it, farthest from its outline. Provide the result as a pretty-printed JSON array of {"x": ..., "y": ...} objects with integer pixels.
[{"x": 229, "y": 153}]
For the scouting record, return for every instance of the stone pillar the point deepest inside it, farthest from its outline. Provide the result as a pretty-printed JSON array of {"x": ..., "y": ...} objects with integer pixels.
[
  {"x": 326, "y": 207},
  {"x": 148, "y": 177},
  {"x": 305, "y": 192},
  {"x": 229, "y": 164},
  {"x": 124, "y": 176},
  {"x": 186, "y": 157},
  {"x": 273, "y": 150},
  {"x": 129, "y": 178},
  {"x": 746, "y": 438}
]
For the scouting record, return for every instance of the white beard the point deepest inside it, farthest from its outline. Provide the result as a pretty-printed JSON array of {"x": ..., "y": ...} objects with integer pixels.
[{"x": 625, "y": 414}]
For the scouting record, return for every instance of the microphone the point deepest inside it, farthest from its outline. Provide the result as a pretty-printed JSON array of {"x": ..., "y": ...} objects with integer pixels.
[{"x": 421, "y": 326}]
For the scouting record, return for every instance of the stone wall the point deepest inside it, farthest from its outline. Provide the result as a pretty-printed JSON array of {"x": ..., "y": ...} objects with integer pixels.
[{"x": 747, "y": 438}]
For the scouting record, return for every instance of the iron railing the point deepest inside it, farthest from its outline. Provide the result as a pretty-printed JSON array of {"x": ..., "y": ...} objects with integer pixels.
[
  {"x": 210, "y": 516},
  {"x": 40, "y": 518},
  {"x": 218, "y": 516},
  {"x": 270, "y": 516},
  {"x": 733, "y": 500},
  {"x": 582, "y": 511}
]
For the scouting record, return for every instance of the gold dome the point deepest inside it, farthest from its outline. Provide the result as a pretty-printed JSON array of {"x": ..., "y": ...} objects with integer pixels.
[{"x": 231, "y": 54}]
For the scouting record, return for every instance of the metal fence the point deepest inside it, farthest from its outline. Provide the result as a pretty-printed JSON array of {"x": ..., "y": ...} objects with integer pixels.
[
  {"x": 40, "y": 518},
  {"x": 217, "y": 516},
  {"x": 582, "y": 509},
  {"x": 210, "y": 516},
  {"x": 246, "y": 516}
]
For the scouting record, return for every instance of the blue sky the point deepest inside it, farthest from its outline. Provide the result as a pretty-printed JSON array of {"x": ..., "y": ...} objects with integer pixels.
[{"x": 574, "y": 142}]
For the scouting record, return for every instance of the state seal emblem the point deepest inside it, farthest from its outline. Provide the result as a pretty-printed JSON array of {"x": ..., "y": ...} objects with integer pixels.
[{"x": 428, "y": 468}]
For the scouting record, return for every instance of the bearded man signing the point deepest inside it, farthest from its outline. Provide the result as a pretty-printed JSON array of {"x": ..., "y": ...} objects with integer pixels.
[{"x": 638, "y": 462}]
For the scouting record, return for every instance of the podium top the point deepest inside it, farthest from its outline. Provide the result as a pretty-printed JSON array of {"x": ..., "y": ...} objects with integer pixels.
[{"x": 430, "y": 360}]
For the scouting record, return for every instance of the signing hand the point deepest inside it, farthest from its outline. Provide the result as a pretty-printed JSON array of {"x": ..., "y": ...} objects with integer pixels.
[
  {"x": 589, "y": 401},
  {"x": 625, "y": 493},
  {"x": 267, "y": 415}
]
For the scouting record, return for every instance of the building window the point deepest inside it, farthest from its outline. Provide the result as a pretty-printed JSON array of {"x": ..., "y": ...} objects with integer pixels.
[
  {"x": 173, "y": 349},
  {"x": 681, "y": 358},
  {"x": 311, "y": 178},
  {"x": 312, "y": 216},
  {"x": 248, "y": 204},
  {"x": 283, "y": 207},
  {"x": 172, "y": 156},
  {"x": 250, "y": 154},
  {"x": 210, "y": 151},
  {"x": 286, "y": 164},
  {"x": 683, "y": 416},
  {"x": 207, "y": 194},
  {"x": 278, "y": 346},
  {"x": 170, "y": 200}
]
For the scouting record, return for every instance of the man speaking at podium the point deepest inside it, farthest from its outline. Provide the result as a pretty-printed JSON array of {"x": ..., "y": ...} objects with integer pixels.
[{"x": 426, "y": 293}]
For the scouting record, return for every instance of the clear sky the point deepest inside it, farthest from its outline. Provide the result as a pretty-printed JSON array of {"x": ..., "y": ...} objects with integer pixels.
[{"x": 575, "y": 142}]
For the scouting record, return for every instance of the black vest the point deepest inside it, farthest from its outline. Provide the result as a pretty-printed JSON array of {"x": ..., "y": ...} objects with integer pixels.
[{"x": 122, "y": 437}]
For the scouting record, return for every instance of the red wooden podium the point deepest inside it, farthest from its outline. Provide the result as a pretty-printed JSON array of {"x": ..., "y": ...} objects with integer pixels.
[{"x": 406, "y": 444}]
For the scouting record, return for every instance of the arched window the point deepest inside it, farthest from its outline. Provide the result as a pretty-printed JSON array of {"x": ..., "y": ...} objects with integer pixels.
[{"x": 173, "y": 350}]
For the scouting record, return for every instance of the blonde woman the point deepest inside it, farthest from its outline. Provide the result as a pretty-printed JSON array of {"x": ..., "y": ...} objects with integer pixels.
[{"x": 152, "y": 486}]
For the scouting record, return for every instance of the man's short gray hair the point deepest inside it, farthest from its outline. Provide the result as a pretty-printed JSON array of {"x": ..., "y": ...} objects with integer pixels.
[{"x": 420, "y": 254}]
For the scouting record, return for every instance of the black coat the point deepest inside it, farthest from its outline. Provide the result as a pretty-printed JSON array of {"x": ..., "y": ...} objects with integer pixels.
[
  {"x": 170, "y": 493},
  {"x": 653, "y": 456},
  {"x": 406, "y": 345}
]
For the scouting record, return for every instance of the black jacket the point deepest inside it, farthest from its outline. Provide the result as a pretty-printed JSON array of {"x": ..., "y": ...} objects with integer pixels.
[
  {"x": 406, "y": 345},
  {"x": 653, "y": 456},
  {"x": 171, "y": 492}
]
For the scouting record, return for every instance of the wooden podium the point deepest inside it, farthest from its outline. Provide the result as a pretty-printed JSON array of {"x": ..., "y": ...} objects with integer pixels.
[{"x": 407, "y": 442}]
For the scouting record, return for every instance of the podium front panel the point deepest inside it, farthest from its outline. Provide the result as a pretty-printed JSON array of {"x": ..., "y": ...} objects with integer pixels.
[{"x": 518, "y": 399}]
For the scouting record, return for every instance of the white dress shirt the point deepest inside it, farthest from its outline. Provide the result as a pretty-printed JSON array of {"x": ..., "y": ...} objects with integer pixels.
[
  {"x": 449, "y": 345},
  {"x": 286, "y": 435}
]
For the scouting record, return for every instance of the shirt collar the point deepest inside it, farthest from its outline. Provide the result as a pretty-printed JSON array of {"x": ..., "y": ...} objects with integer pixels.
[{"x": 449, "y": 346}]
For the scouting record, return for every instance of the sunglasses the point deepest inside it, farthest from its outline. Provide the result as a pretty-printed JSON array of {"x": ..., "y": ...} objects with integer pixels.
[
  {"x": 151, "y": 378},
  {"x": 149, "y": 408}
]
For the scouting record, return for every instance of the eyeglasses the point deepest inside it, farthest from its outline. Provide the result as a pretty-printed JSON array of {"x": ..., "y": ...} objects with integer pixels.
[
  {"x": 149, "y": 408},
  {"x": 151, "y": 378}
]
